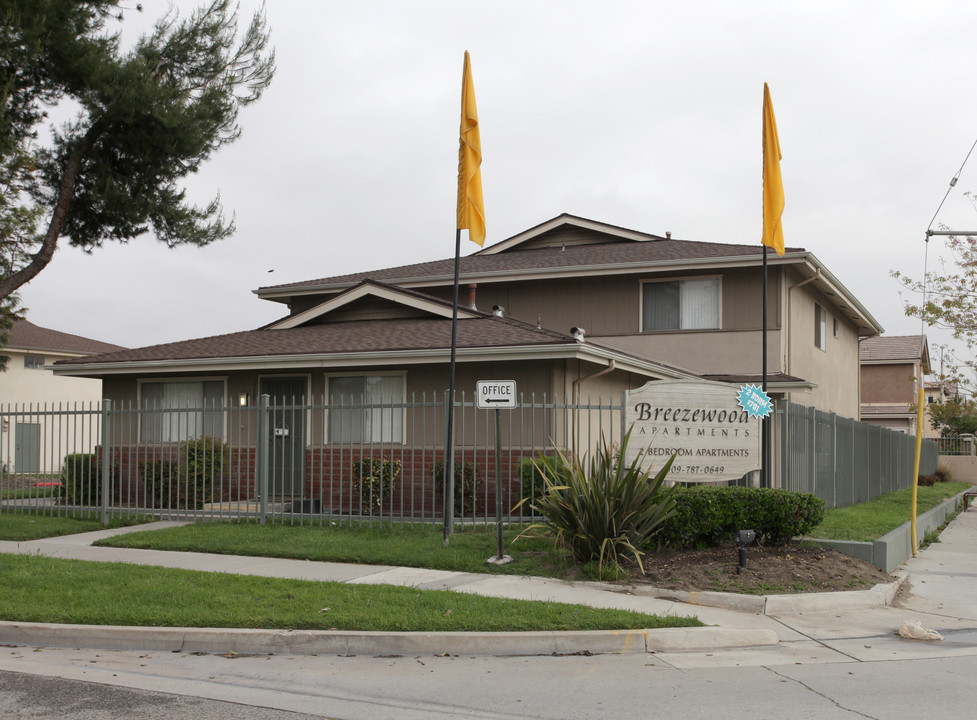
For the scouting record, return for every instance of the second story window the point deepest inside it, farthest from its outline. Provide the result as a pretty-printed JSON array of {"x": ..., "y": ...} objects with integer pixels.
[
  {"x": 820, "y": 327},
  {"x": 680, "y": 305},
  {"x": 34, "y": 362}
]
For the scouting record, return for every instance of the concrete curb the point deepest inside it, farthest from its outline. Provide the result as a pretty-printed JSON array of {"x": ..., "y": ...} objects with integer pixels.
[
  {"x": 879, "y": 595},
  {"x": 895, "y": 547},
  {"x": 225, "y": 641}
]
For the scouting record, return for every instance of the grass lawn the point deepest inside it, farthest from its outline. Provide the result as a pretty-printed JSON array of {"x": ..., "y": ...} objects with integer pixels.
[
  {"x": 41, "y": 589},
  {"x": 21, "y": 526},
  {"x": 871, "y": 520},
  {"x": 407, "y": 546}
]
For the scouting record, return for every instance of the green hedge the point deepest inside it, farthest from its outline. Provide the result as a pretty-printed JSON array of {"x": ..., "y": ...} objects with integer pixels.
[
  {"x": 191, "y": 479},
  {"x": 708, "y": 516},
  {"x": 374, "y": 478},
  {"x": 465, "y": 482},
  {"x": 81, "y": 479},
  {"x": 532, "y": 484}
]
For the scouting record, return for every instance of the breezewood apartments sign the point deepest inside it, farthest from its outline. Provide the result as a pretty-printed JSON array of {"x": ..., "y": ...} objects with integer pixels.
[{"x": 701, "y": 421}]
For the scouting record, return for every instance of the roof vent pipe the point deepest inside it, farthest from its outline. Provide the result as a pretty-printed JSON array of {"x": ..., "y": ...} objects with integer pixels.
[
  {"x": 668, "y": 234},
  {"x": 578, "y": 334},
  {"x": 497, "y": 310},
  {"x": 471, "y": 296}
]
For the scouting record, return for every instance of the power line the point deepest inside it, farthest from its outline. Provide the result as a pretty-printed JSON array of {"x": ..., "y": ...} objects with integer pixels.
[{"x": 953, "y": 182}]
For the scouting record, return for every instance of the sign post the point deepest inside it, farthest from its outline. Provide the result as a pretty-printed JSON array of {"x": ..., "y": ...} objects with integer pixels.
[{"x": 497, "y": 395}]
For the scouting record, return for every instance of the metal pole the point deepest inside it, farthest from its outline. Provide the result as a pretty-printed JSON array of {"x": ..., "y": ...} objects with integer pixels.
[
  {"x": 449, "y": 453},
  {"x": 498, "y": 481},
  {"x": 263, "y": 450},
  {"x": 764, "y": 423},
  {"x": 106, "y": 469}
]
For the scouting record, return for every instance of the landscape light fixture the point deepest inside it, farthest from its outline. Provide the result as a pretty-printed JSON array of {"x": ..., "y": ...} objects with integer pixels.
[{"x": 743, "y": 538}]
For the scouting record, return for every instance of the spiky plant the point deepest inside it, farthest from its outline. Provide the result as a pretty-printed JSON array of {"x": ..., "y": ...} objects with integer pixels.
[{"x": 606, "y": 509}]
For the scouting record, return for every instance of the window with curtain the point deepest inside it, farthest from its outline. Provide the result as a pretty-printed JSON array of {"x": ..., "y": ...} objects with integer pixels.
[
  {"x": 680, "y": 305},
  {"x": 366, "y": 409},
  {"x": 177, "y": 411}
]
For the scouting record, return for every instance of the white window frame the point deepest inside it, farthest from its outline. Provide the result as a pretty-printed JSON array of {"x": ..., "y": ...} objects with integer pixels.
[
  {"x": 689, "y": 278},
  {"x": 402, "y": 374},
  {"x": 31, "y": 361},
  {"x": 173, "y": 380}
]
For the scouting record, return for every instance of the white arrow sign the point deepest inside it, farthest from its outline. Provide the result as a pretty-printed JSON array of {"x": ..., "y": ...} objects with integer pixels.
[{"x": 495, "y": 394}]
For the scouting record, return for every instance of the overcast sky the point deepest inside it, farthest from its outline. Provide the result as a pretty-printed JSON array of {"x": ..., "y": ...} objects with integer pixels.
[{"x": 645, "y": 115}]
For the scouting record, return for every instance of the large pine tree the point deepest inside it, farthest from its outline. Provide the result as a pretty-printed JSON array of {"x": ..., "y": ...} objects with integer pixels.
[{"x": 144, "y": 118}]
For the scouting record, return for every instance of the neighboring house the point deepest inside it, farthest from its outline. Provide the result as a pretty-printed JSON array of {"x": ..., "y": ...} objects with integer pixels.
[
  {"x": 571, "y": 308},
  {"x": 891, "y": 367},
  {"x": 29, "y": 386}
]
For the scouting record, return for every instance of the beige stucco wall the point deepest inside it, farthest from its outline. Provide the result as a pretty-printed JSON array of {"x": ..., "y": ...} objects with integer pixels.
[
  {"x": 836, "y": 368},
  {"x": 610, "y": 306},
  {"x": 33, "y": 390}
]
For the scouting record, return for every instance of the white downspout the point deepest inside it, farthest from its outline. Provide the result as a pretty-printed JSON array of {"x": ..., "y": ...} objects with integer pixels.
[{"x": 576, "y": 399}]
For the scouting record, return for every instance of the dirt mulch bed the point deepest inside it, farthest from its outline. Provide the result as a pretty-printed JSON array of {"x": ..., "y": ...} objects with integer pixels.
[{"x": 768, "y": 571}]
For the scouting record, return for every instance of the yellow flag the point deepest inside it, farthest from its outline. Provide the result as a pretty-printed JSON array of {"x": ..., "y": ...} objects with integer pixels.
[
  {"x": 471, "y": 211},
  {"x": 773, "y": 185}
]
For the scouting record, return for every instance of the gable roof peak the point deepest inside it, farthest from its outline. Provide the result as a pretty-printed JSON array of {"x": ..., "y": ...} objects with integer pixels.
[{"x": 566, "y": 226}]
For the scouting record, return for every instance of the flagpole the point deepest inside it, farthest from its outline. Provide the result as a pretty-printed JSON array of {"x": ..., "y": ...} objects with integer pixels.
[
  {"x": 765, "y": 422},
  {"x": 449, "y": 453}
]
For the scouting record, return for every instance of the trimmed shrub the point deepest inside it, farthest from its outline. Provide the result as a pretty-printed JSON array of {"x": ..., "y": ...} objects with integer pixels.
[
  {"x": 81, "y": 478},
  {"x": 604, "y": 510},
  {"x": 190, "y": 479},
  {"x": 162, "y": 483},
  {"x": 374, "y": 478},
  {"x": 466, "y": 484},
  {"x": 926, "y": 480},
  {"x": 708, "y": 516}
]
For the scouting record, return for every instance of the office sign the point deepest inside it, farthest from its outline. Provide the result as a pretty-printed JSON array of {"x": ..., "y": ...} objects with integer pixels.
[
  {"x": 495, "y": 394},
  {"x": 703, "y": 423}
]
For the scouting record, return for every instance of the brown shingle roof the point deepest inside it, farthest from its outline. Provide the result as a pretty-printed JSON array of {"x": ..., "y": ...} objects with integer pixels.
[
  {"x": 25, "y": 335},
  {"x": 345, "y": 337},
  {"x": 595, "y": 256},
  {"x": 909, "y": 348}
]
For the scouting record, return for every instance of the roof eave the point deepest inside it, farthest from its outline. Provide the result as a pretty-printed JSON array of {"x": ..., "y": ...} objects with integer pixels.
[
  {"x": 282, "y": 294},
  {"x": 580, "y": 351}
]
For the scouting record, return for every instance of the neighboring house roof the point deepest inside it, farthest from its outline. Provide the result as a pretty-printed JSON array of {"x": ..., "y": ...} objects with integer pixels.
[
  {"x": 890, "y": 349},
  {"x": 27, "y": 336},
  {"x": 571, "y": 246},
  {"x": 888, "y": 411},
  {"x": 401, "y": 340}
]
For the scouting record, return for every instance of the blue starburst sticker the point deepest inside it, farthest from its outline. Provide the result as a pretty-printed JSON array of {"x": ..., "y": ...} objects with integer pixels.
[{"x": 755, "y": 401}]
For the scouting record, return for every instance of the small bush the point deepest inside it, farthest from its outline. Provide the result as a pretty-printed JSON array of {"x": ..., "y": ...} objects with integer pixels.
[
  {"x": 926, "y": 480},
  {"x": 708, "y": 516},
  {"x": 532, "y": 484},
  {"x": 162, "y": 483},
  {"x": 374, "y": 479},
  {"x": 466, "y": 484},
  {"x": 943, "y": 474},
  {"x": 81, "y": 478},
  {"x": 605, "y": 510},
  {"x": 190, "y": 478}
]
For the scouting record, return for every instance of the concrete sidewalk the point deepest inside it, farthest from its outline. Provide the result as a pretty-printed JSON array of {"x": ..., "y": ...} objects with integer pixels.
[{"x": 942, "y": 582}]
